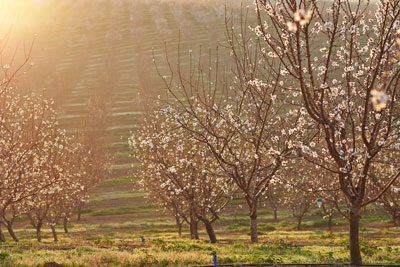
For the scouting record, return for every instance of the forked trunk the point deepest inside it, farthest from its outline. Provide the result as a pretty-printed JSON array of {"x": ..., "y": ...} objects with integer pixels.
[
  {"x": 2, "y": 237},
  {"x": 11, "y": 232},
  {"x": 210, "y": 231},
  {"x": 355, "y": 255},
  {"x": 65, "y": 223},
  {"x": 53, "y": 230}
]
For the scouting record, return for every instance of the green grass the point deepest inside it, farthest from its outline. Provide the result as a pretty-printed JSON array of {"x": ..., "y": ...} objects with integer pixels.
[
  {"x": 121, "y": 210},
  {"x": 116, "y": 195},
  {"x": 127, "y": 180}
]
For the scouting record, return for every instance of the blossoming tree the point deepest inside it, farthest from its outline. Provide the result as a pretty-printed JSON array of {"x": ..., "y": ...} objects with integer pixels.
[
  {"x": 238, "y": 121},
  {"x": 342, "y": 58},
  {"x": 180, "y": 172}
]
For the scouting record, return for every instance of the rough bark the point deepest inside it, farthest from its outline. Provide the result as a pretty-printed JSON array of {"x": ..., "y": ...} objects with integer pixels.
[
  {"x": 210, "y": 231},
  {"x": 275, "y": 215},
  {"x": 11, "y": 232},
  {"x": 354, "y": 220},
  {"x": 2, "y": 237},
  {"x": 53, "y": 230},
  {"x": 65, "y": 223}
]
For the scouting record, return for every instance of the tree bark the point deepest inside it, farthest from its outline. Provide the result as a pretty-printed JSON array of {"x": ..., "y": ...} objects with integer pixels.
[
  {"x": 194, "y": 234},
  {"x": 2, "y": 237},
  {"x": 275, "y": 215},
  {"x": 210, "y": 232},
  {"x": 79, "y": 211},
  {"x": 299, "y": 219},
  {"x": 355, "y": 254},
  {"x": 330, "y": 223},
  {"x": 11, "y": 232},
  {"x": 53, "y": 230},
  {"x": 65, "y": 223},
  {"x": 39, "y": 232},
  {"x": 178, "y": 225},
  {"x": 253, "y": 228}
]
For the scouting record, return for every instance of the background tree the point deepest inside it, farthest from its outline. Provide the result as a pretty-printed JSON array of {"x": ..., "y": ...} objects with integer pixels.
[
  {"x": 183, "y": 168},
  {"x": 26, "y": 127}
]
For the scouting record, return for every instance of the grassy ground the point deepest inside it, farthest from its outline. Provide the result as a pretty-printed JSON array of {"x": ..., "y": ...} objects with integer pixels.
[{"x": 106, "y": 240}]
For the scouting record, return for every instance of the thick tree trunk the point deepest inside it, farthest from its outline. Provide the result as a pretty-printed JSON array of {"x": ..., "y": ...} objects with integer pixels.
[
  {"x": 275, "y": 215},
  {"x": 2, "y": 237},
  {"x": 65, "y": 223},
  {"x": 253, "y": 228},
  {"x": 210, "y": 231},
  {"x": 53, "y": 230},
  {"x": 11, "y": 232},
  {"x": 355, "y": 255}
]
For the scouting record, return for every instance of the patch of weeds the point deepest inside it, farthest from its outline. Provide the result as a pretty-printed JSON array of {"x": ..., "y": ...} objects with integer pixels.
[
  {"x": 266, "y": 227},
  {"x": 84, "y": 250},
  {"x": 4, "y": 255},
  {"x": 328, "y": 235},
  {"x": 238, "y": 227},
  {"x": 5, "y": 259},
  {"x": 110, "y": 260},
  {"x": 369, "y": 250}
]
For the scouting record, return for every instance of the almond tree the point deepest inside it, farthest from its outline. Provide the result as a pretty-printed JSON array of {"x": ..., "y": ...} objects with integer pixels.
[
  {"x": 180, "y": 170},
  {"x": 299, "y": 195},
  {"x": 27, "y": 123},
  {"x": 342, "y": 59},
  {"x": 65, "y": 173},
  {"x": 241, "y": 121}
]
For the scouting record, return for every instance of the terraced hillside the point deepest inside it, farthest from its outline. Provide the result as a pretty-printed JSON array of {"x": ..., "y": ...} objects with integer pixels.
[{"x": 102, "y": 50}]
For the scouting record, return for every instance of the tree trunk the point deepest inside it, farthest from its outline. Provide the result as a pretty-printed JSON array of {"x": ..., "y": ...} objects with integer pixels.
[
  {"x": 210, "y": 231},
  {"x": 39, "y": 232},
  {"x": 253, "y": 228},
  {"x": 275, "y": 215},
  {"x": 2, "y": 237},
  {"x": 11, "y": 232},
  {"x": 355, "y": 255},
  {"x": 79, "y": 211},
  {"x": 178, "y": 225},
  {"x": 330, "y": 223},
  {"x": 299, "y": 219},
  {"x": 65, "y": 222},
  {"x": 194, "y": 230},
  {"x": 53, "y": 230}
]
